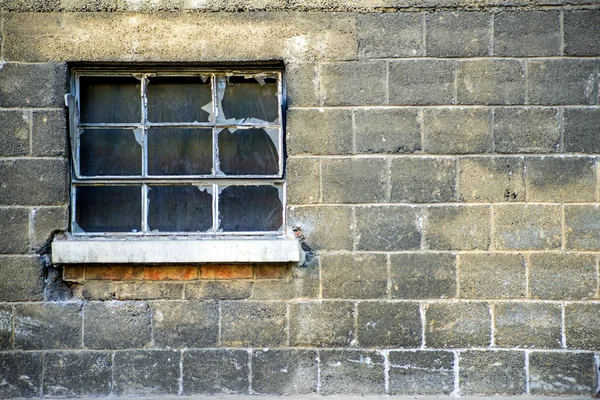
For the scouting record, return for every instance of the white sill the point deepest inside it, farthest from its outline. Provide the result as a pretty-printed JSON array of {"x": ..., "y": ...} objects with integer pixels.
[{"x": 171, "y": 251}]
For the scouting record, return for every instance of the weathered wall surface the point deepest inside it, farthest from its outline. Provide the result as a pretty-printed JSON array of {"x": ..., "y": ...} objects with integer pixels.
[{"x": 442, "y": 168}]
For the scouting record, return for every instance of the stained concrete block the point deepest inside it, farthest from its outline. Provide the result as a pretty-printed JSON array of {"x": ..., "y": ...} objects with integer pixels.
[
  {"x": 303, "y": 177},
  {"x": 528, "y": 325},
  {"x": 582, "y": 227},
  {"x": 352, "y": 372},
  {"x": 491, "y": 82},
  {"x": 17, "y": 178},
  {"x": 390, "y": 35},
  {"x": 560, "y": 179},
  {"x": 354, "y": 180},
  {"x": 322, "y": 324},
  {"x": 14, "y": 231},
  {"x": 23, "y": 278},
  {"x": 15, "y": 136},
  {"x": 32, "y": 84},
  {"x": 527, "y": 33},
  {"x": 353, "y": 83},
  {"x": 358, "y": 276},
  {"x": 582, "y": 326},
  {"x": 223, "y": 290},
  {"x": 421, "y": 372},
  {"x": 146, "y": 372},
  {"x": 49, "y": 134},
  {"x": 6, "y": 330},
  {"x": 581, "y": 130},
  {"x": 457, "y": 227},
  {"x": 492, "y": 372},
  {"x": 423, "y": 275},
  {"x": 562, "y": 276},
  {"x": 427, "y": 82},
  {"x": 179, "y": 324},
  {"x": 301, "y": 84},
  {"x": 457, "y": 325},
  {"x": 524, "y": 227},
  {"x": 456, "y": 131},
  {"x": 48, "y": 326},
  {"x": 46, "y": 221},
  {"x": 148, "y": 290},
  {"x": 117, "y": 324},
  {"x": 385, "y": 324},
  {"x": 560, "y": 374},
  {"x": 220, "y": 371},
  {"x": 458, "y": 34},
  {"x": 492, "y": 276},
  {"x": 319, "y": 131},
  {"x": 562, "y": 81},
  {"x": 77, "y": 374},
  {"x": 423, "y": 180},
  {"x": 21, "y": 374},
  {"x": 491, "y": 179},
  {"x": 387, "y": 130},
  {"x": 323, "y": 227},
  {"x": 526, "y": 130},
  {"x": 582, "y": 29},
  {"x": 388, "y": 228},
  {"x": 253, "y": 323},
  {"x": 288, "y": 372}
]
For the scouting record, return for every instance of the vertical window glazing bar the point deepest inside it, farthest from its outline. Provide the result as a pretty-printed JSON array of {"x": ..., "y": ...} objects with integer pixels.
[
  {"x": 280, "y": 113},
  {"x": 144, "y": 208},
  {"x": 215, "y": 207},
  {"x": 144, "y": 87},
  {"x": 213, "y": 87}
]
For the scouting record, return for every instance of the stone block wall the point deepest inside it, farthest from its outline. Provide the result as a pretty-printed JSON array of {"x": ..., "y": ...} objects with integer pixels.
[{"x": 442, "y": 174}]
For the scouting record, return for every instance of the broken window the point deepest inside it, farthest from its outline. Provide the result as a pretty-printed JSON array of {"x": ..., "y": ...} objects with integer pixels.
[{"x": 188, "y": 152}]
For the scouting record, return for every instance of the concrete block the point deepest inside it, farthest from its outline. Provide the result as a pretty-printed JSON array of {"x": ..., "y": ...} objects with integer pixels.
[
  {"x": 492, "y": 372},
  {"x": 582, "y": 227},
  {"x": 46, "y": 221},
  {"x": 98, "y": 290},
  {"x": 148, "y": 290},
  {"x": 323, "y": 227},
  {"x": 302, "y": 84},
  {"x": 215, "y": 372},
  {"x": 21, "y": 374},
  {"x": 492, "y": 276},
  {"x": 562, "y": 81},
  {"x": 32, "y": 85},
  {"x": 527, "y": 33},
  {"x": 458, "y": 34},
  {"x": 49, "y": 135},
  {"x": 581, "y": 130},
  {"x": 33, "y": 182},
  {"x": 388, "y": 228},
  {"x": 77, "y": 374},
  {"x": 387, "y": 130},
  {"x": 561, "y": 374},
  {"x": 528, "y": 325},
  {"x": 582, "y": 326},
  {"x": 288, "y": 372},
  {"x": 306, "y": 278},
  {"x": 178, "y": 324},
  {"x": 457, "y": 325},
  {"x": 354, "y": 180},
  {"x": 319, "y": 131},
  {"x": 385, "y": 324},
  {"x": 23, "y": 278},
  {"x": 354, "y": 276},
  {"x": 526, "y": 130},
  {"x": 322, "y": 324},
  {"x": 582, "y": 29},
  {"x": 146, "y": 372},
  {"x": 560, "y": 179},
  {"x": 253, "y": 323},
  {"x": 15, "y": 133},
  {"x": 14, "y": 231},
  {"x": 117, "y": 324},
  {"x": 423, "y": 275},
  {"x": 562, "y": 276},
  {"x": 351, "y": 372},
  {"x": 413, "y": 82},
  {"x": 390, "y": 35},
  {"x": 6, "y": 330},
  {"x": 423, "y": 180},
  {"x": 457, "y": 227},
  {"x": 527, "y": 227},
  {"x": 491, "y": 82},
  {"x": 48, "y": 326},
  {"x": 224, "y": 290},
  {"x": 303, "y": 180},
  {"x": 353, "y": 83},
  {"x": 456, "y": 130},
  {"x": 421, "y": 372},
  {"x": 491, "y": 179}
]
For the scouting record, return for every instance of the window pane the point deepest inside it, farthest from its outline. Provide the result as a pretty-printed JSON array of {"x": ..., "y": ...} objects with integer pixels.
[
  {"x": 249, "y": 98},
  {"x": 109, "y": 208},
  {"x": 179, "y": 208},
  {"x": 110, "y": 99},
  {"x": 179, "y": 151},
  {"x": 179, "y": 99},
  {"x": 250, "y": 208},
  {"x": 110, "y": 152},
  {"x": 247, "y": 152}
]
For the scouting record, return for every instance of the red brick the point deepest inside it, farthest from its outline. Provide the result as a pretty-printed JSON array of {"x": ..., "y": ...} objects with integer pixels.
[
  {"x": 171, "y": 272},
  {"x": 226, "y": 271},
  {"x": 104, "y": 272},
  {"x": 73, "y": 273},
  {"x": 271, "y": 271},
  {"x": 133, "y": 273}
]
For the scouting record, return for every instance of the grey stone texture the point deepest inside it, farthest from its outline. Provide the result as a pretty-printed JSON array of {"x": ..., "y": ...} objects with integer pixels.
[
  {"x": 180, "y": 324},
  {"x": 324, "y": 227},
  {"x": 95, "y": 290},
  {"x": 322, "y": 324},
  {"x": 526, "y": 130},
  {"x": 388, "y": 228},
  {"x": 581, "y": 130},
  {"x": 21, "y": 374},
  {"x": 6, "y": 330},
  {"x": 491, "y": 179},
  {"x": 387, "y": 130},
  {"x": 457, "y": 325},
  {"x": 582, "y": 326},
  {"x": 490, "y": 82},
  {"x": 253, "y": 323},
  {"x": 146, "y": 372},
  {"x": 492, "y": 372},
  {"x": 303, "y": 176},
  {"x": 422, "y": 179},
  {"x": 117, "y": 324},
  {"x": 148, "y": 290},
  {"x": 26, "y": 278},
  {"x": 556, "y": 374},
  {"x": 353, "y": 83},
  {"x": 48, "y": 136},
  {"x": 300, "y": 80},
  {"x": 389, "y": 324},
  {"x": 289, "y": 372},
  {"x": 225, "y": 290},
  {"x": 560, "y": 179},
  {"x": 17, "y": 178},
  {"x": 457, "y": 227},
  {"x": 14, "y": 230},
  {"x": 562, "y": 81},
  {"x": 319, "y": 131},
  {"x": 422, "y": 275},
  {"x": 46, "y": 221},
  {"x": 492, "y": 275},
  {"x": 520, "y": 324},
  {"x": 221, "y": 371},
  {"x": 426, "y": 82},
  {"x": 582, "y": 227},
  {"x": 356, "y": 372},
  {"x": 354, "y": 180},
  {"x": 464, "y": 34},
  {"x": 390, "y": 35},
  {"x": 562, "y": 276},
  {"x": 15, "y": 136},
  {"x": 32, "y": 85},
  {"x": 582, "y": 29},
  {"x": 421, "y": 372},
  {"x": 527, "y": 33},
  {"x": 77, "y": 374},
  {"x": 48, "y": 326},
  {"x": 456, "y": 131},
  {"x": 527, "y": 227},
  {"x": 354, "y": 276}
]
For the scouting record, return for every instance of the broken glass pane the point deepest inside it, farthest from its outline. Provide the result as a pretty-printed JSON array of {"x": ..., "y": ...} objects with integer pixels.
[
  {"x": 179, "y": 151},
  {"x": 179, "y": 99},
  {"x": 250, "y": 209},
  {"x": 109, "y": 208},
  {"x": 110, "y": 100},
  {"x": 182, "y": 208},
  {"x": 251, "y": 98},
  {"x": 247, "y": 152},
  {"x": 110, "y": 152}
]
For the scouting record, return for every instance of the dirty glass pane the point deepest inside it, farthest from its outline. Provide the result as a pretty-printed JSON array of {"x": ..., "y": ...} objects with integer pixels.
[
  {"x": 179, "y": 151},
  {"x": 179, "y": 99},
  {"x": 249, "y": 98},
  {"x": 109, "y": 208},
  {"x": 250, "y": 208},
  {"x": 110, "y": 152},
  {"x": 247, "y": 152},
  {"x": 182, "y": 208},
  {"x": 110, "y": 99}
]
